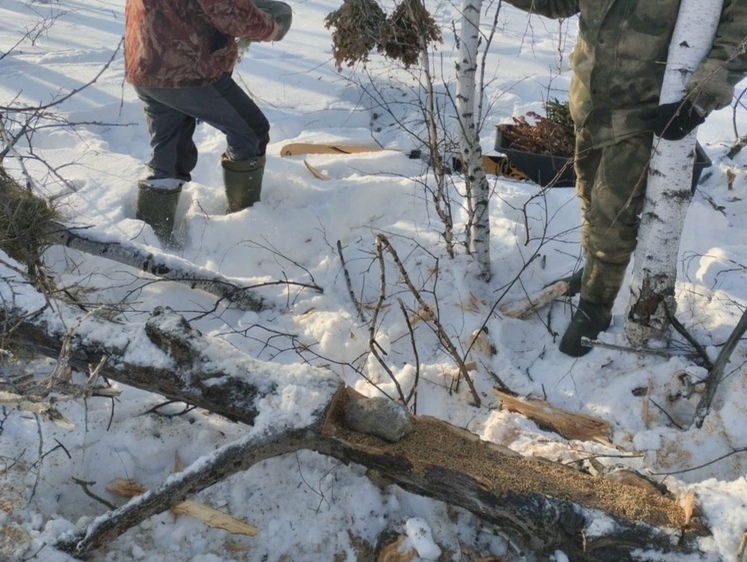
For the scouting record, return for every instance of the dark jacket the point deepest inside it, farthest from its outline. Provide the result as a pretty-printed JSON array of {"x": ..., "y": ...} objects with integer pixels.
[
  {"x": 172, "y": 44},
  {"x": 619, "y": 60}
]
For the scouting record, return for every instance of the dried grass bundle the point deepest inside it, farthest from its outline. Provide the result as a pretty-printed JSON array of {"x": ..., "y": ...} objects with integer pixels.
[
  {"x": 24, "y": 220},
  {"x": 408, "y": 30},
  {"x": 357, "y": 28}
]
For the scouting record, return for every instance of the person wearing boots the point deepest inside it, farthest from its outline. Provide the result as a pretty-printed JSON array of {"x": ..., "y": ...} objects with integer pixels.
[
  {"x": 618, "y": 67},
  {"x": 179, "y": 56}
]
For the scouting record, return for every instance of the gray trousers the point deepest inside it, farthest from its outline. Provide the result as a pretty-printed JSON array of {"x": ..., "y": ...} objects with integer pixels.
[{"x": 172, "y": 113}]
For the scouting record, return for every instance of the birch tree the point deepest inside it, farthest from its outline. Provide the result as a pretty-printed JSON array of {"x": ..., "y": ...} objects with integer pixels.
[
  {"x": 478, "y": 190},
  {"x": 668, "y": 192}
]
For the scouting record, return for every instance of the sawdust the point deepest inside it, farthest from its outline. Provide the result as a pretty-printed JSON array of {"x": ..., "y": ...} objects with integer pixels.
[{"x": 435, "y": 444}]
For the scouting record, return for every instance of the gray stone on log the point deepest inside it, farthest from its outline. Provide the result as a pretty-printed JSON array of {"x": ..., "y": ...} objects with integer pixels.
[{"x": 379, "y": 416}]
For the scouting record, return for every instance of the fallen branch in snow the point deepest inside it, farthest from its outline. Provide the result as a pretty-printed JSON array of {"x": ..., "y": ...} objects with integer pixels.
[
  {"x": 349, "y": 283},
  {"x": 570, "y": 425},
  {"x": 543, "y": 506},
  {"x": 28, "y": 224},
  {"x": 716, "y": 373},
  {"x": 212, "y": 517},
  {"x": 165, "y": 266},
  {"x": 534, "y": 301},
  {"x": 228, "y": 460},
  {"x": 630, "y": 349}
]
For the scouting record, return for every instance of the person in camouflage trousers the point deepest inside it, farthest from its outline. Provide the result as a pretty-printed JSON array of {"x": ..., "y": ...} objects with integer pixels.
[
  {"x": 179, "y": 56},
  {"x": 618, "y": 66}
]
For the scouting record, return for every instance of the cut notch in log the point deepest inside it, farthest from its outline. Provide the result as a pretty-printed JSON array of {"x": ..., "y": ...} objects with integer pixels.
[{"x": 521, "y": 495}]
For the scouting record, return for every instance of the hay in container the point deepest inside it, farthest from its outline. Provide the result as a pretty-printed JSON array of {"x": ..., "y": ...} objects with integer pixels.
[{"x": 553, "y": 135}]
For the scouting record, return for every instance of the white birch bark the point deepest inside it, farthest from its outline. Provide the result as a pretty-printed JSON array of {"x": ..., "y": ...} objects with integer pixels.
[
  {"x": 165, "y": 266},
  {"x": 668, "y": 192},
  {"x": 469, "y": 142}
]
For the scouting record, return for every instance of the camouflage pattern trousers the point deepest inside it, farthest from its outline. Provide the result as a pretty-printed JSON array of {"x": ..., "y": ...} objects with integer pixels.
[{"x": 610, "y": 182}]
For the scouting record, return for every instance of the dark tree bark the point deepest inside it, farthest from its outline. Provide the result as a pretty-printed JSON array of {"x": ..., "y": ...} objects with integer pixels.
[{"x": 542, "y": 506}]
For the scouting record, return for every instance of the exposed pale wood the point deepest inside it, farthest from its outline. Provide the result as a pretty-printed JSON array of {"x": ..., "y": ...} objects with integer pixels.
[
  {"x": 571, "y": 425},
  {"x": 215, "y": 518},
  {"x": 40, "y": 406},
  {"x": 533, "y": 302},
  {"x": 125, "y": 488},
  {"x": 212, "y": 517},
  {"x": 496, "y": 165},
  {"x": 742, "y": 548},
  {"x": 397, "y": 551},
  {"x": 226, "y": 461},
  {"x": 318, "y": 174},
  {"x": 299, "y": 148},
  {"x": 541, "y": 505}
]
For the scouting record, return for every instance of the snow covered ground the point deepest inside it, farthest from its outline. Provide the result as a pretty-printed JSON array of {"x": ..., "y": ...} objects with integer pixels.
[{"x": 308, "y": 507}]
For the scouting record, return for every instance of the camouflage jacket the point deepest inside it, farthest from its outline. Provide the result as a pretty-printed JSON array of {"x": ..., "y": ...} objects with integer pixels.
[
  {"x": 173, "y": 44},
  {"x": 619, "y": 59}
]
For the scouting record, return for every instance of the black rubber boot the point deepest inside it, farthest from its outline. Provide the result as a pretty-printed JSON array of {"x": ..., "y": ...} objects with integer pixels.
[
  {"x": 157, "y": 207},
  {"x": 243, "y": 182},
  {"x": 587, "y": 322},
  {"x": 574, "y": 282}
]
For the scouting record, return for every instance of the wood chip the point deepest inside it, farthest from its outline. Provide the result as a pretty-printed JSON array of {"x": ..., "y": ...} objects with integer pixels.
[{"x": 570, "y": 425}]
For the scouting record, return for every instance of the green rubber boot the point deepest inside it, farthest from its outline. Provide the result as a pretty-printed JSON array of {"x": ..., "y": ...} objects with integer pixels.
[
  {"x": 243, "y": 182},
  {"x": 157, "y": 207}
]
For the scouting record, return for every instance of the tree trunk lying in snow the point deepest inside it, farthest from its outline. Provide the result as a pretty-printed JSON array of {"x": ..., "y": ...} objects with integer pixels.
[
  {"x": 28, "y": 224},
  {"x": 542, "y": 506},
  {"x": 159, "y": 264}
]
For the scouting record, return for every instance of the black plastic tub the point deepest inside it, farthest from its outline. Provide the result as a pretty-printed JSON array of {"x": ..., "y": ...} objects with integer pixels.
[{"x": 557, "y": 171}]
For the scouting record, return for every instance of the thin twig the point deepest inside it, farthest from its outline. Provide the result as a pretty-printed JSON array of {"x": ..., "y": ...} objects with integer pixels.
[
  {"x": 432, "y": 317},
  {"x": 640, "y": 350},
  {"x": 414, "y": 390},
  {"x": 373, "y": 345},
  {"x": 742, "y": 547},
  {"x": 83, "y": 484},
  {"x": 716, "y": 374},
  {"x": 677, "y": 325},
  {"x": 691, "y": 469},
  {"x": 663, "y": 411},
  {"x": 349, "y": 283}
]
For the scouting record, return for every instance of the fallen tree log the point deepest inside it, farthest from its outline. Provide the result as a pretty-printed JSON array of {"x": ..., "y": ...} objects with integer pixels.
[
  {"x": 28, "y": 224},
  {"x": 542, "y": 506},
  {"x": 159, "y": 264}
]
